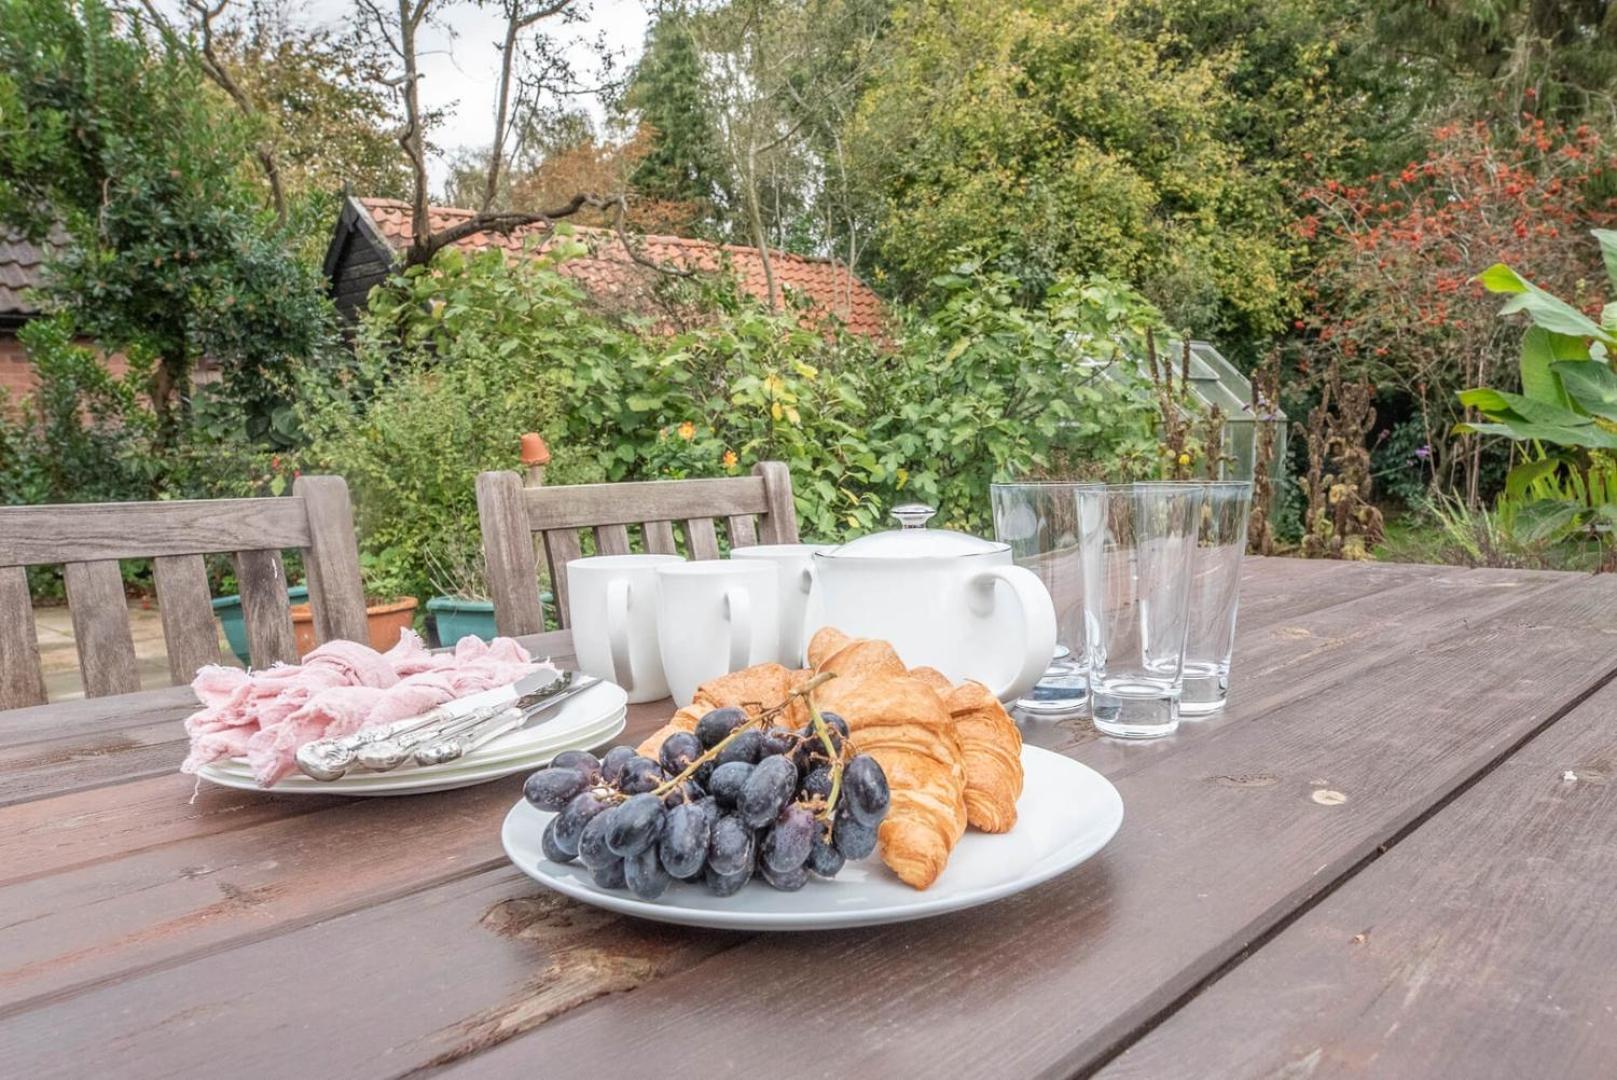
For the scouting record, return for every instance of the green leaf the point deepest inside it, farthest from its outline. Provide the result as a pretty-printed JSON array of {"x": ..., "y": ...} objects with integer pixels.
[
  {"x": 1504, "y": 406},
  {"x": 1500, "y": 278},
  {"x": 1546, "y": 519},
  {"x": 1519, "y": 479},
  {"x": 1547, "y": 311},
  {"x": 1608, "y": 252},
  {"x": 1592, "y": 386},
  {"x": 1540, "y": 349},
  {"x": 1589, "y": 437}
]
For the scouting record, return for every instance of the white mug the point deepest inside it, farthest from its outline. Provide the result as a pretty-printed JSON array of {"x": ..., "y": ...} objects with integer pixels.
[
  {"x": 613, "y": 603},
  {"x": 714, "y": 617},
  {"x": 798, "y": 599}
]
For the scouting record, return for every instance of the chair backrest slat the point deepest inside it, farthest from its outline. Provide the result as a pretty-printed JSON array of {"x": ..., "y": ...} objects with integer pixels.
[
  {"x": 741, "y": 529},
  {"x": 752, "y": 507},
  {"x": 331, "y": 560},
  {"x": 95, "y": 599},
  {"x": 89, "y": 539},
  {"x": 660, "y": 538},
  {"x": 265, "y": 609},
  {"x": 21, "y": 682},
  {"x": 184, "y": 604}
]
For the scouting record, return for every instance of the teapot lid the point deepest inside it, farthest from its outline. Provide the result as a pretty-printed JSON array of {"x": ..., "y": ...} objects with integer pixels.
[{"x": 914, "y": 540}]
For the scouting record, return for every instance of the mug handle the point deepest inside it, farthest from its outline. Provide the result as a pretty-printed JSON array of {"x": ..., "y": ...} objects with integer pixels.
[
  {"x": 738, "y": 609},
  {"x": 807, "y": 583},
  {"x": 1038, "y": 616},
  {"x": 617, "y": 631}
]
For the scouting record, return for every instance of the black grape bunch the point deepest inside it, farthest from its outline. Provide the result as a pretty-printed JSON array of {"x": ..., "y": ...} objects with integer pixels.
[{"x": 739, "y": 797}]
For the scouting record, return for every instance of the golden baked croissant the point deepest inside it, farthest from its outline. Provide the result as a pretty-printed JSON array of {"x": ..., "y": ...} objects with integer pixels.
[
  {"x": 761, "y": 685},
  {"x": 902, "y": 723},
  {"x": 993, "y": 752}
]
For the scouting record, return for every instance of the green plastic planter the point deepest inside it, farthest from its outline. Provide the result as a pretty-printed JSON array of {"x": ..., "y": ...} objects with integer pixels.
[
  {"x": 228, "y": 611},
  {"x": 456, "y": 618}
]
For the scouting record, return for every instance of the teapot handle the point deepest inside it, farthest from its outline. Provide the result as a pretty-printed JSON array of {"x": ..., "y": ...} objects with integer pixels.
[{"x": 1038, "y": 617}]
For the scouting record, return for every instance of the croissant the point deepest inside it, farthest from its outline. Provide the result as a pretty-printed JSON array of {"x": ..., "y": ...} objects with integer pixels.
[
  {"x": 993, "y": 753},
  {"x": 753, "y": 688},
  {"x": 902, "y": 723}
]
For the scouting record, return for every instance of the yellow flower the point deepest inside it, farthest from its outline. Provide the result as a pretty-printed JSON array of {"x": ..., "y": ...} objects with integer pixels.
[
  {"x": 1184, "y": 459},
  {"x": 730, "y": 459},
  {"x": 687, "y": 431}
]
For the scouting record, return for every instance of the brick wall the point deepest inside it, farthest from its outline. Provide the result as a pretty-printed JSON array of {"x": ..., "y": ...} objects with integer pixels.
[{"x": 17, "y": 375}]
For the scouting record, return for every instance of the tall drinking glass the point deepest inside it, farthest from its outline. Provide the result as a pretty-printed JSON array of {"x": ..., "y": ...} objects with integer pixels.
[
  {"x": 1215, "y": 589},
  {"x": 1039, "y": 520},
  {"x": 1136, "y": 542}
]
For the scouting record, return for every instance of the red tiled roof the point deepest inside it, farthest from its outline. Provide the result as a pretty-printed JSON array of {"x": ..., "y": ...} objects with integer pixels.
[{"x": 607, "y": 269}]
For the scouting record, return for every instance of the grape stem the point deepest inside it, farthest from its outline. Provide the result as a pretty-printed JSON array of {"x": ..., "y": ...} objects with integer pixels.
[
  {"x": 765, "y": 717},
  {"x": 824, "y": 731}
]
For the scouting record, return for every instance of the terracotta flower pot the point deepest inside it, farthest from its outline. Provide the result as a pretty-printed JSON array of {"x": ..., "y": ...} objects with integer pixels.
[{"x": 386, "y": 621}]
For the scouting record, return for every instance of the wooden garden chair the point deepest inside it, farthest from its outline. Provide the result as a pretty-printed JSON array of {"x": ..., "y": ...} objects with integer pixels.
[
  {"x": 88, "y": 540},
  {"x": 755, "y": 509}
]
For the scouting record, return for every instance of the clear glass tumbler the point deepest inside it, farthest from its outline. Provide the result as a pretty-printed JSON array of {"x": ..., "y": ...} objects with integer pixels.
[
  {"x": 1137, "y": 541},
  {"x": 1215, "y": 590},
  {"x": 1039, "y": 520}
]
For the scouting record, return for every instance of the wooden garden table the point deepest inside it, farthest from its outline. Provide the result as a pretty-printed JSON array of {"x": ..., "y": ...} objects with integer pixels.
[{"x": 1395, "y": 856}]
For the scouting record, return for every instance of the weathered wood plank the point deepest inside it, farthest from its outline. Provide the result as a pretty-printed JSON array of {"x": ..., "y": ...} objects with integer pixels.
[
  {"x": 95, "y": 598},
  {"x": 1476, "y": 947},
  {"x": 21, "y": 682},
  {"x": 562, "y": 546},
  {"x": 190, "y": 633},
  {"x": 780, "y": 519},
  {"x": 94, "y": 716},
  {"x": 265, "y": 608},
  {"x": 660, "y": 538},
  {"x": 583, "y": 506},
  {"x": 513, "y": 572},
  {"x": 701, "y": 538},
  {"x": 1225, "y": 838},
  {"x": 741, "y": 531},
  {"x": 331, "y": 560},
  {"x": 92, "y": 532},
  {"x": 611, "y": 540}
]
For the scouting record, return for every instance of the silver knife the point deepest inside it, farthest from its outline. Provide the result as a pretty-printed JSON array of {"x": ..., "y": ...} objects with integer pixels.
[{"x": 462, "y": 742}]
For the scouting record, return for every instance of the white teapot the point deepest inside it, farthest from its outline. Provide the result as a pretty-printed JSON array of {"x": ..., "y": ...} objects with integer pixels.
[{"x": 942, "y": 599}]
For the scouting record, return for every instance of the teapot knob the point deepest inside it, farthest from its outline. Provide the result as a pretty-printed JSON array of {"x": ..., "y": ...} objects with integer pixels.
[{"x": 913, "y": 515}]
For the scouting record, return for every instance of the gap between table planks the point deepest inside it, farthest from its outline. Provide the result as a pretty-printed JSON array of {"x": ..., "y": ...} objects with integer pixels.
[
  {"x": 1480, "y": 946},
  {"x": 502, "y": 1014},
  {"x": 177, "y": 911}
]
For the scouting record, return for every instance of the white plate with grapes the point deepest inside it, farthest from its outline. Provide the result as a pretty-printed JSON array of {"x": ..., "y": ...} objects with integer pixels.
[{"x": 706, "y": 866}]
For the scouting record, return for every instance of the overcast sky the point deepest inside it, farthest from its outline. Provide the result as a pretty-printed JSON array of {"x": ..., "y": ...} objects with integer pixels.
[{"x": 460, "y": 74}]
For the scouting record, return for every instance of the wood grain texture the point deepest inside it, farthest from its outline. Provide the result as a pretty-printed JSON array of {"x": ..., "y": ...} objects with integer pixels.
[
  {"x": 780, "y": 519},
  {"x": 92, "y": 532},
  {"x": 701, "y": 538},
  {"x": 95, "y": 598},
  {"x": 21, "y": 682},
  {"x": 184, "y": 602},
  {"x": 584, "y": 506},
  {"x": 1479, "y": 946},
  {"x": 331, "y": 559},
  {"x": 611, "y": 540},
  {"x": 1225, "y": 837},
  {"x": 265, "y": 609},
  {"x": 562, "y": 547},
  {"x": 660, "y": 538},
  {"x": 513, "y": 571},
  {"x": 741, "y": 530}
]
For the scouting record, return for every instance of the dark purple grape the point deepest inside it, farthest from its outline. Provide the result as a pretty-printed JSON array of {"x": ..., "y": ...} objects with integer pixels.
[
  {"x": 636, "y": 825},
  {"x": 571, "y": 821},
  {"x": 726, "y": 884},
  {"x": 614, "y": 761},
  {"x": 547, "y": 844},
  {"x": 727, "y": 782},
  {"x": 818, "y": 782},
  {"x": 639, "y": 775},
  {"x": 712, "y": 728},
  {"x": 730, "y": 846},
  {"x": 645, "y": 876},
  {"x": 777, "y": 740},
  {"x": 710, "y": 810},
  {"x": 686, "y": 791},
  {"x": 787, "y": 881},
  {"x": 836, "y": 724},
  {"x": 678, "y": 751},
  {"x": 555, "y": 787},
  {"x": 683, "y": 847},
  {"x": 767, "y": 791},
  {"x": 864, "y": 790},
  {"x": 787, "y": 843},
  {"x": 592, "y": 847},
  {"x": 744, "y": 747},
  {"x": 610, "y": 875},
  {"x": 582, "y": 760},
  {"x": 825, "y": 859},
  {"x": 854, "y": 840}
]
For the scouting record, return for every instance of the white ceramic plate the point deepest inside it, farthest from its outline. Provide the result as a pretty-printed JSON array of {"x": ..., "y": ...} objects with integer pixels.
[
  {"x": 1067, "y": 813},
  {"x": 416, "y": 781}
]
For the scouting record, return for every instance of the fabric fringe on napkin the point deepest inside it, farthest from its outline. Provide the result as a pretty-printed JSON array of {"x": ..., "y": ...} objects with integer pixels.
[{"x": 339, "y": 688}]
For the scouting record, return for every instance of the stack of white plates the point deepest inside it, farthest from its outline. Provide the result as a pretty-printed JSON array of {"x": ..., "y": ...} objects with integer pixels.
[{"x": 583, "y": 722}]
